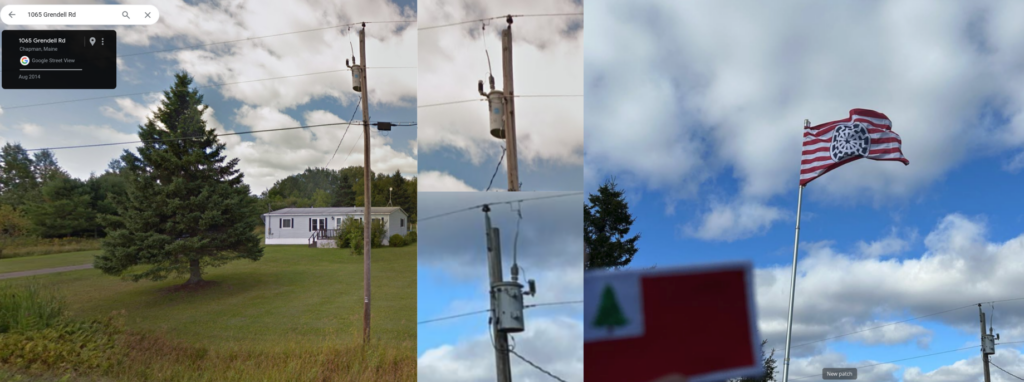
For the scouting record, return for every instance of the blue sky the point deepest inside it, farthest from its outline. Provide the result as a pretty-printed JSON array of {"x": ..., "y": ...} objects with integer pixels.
[
  {"x": 458, "y": 152},
  {"x": 710, "y": 165},
  {"x": 452, "y": 279},
  {"x": 319, "y": 98}
]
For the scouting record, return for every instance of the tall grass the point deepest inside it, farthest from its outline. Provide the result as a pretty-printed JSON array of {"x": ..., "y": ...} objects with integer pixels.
[
  {"x": 34, "y": 246},
  {"x": 28, "y": 307}
]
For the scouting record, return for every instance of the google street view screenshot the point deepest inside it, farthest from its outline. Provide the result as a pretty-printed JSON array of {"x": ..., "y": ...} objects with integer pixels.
[
  {"x": 185, "y": 188},
  {"x": 685, "y": 191}
]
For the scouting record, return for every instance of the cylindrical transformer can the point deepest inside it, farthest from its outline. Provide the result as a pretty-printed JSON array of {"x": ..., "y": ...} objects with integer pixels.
[
  {"x": 357, "y": 78},
  {"x": 508, "y": 305},
  {"x": 496, "y": 109}
]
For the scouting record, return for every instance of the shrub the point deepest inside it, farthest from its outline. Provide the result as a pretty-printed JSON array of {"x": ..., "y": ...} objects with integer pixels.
[
  {"x": 343, "y": 238},
  {"x": 353, "y": 235},
  {"x": 396, "y": 240},
  {"x": 378, "y": 231},
  {"x": 410, "y": 237}
]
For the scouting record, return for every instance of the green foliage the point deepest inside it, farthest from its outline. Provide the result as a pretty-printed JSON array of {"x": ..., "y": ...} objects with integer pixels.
[
  {"x": 301, "y": 190},
  {"x": 606, "y": 223},
  {"x": 68, "y": 346},
  {"x": 378, "y": 231},
  {"x": 25, "y": 246},
  {"x": 355, "y": 239},
  {"x": 13, "y": 225},
  {"x": 24, "y": 308},
  {"x": 186, "y": 207},
  {"x": 348, "y": 225},
  {"x": 769, "y": 365},
  {"x": 402, "y": 192},
  {"x": 609, "y": 314},
  {"x": 45, "y": 167},
  {"x": 410, "y": 237},
  {"x": 63, "y": 208},
  {"x": 396, "y": 240},
  {"x": 18, "y": 182},
  {"x": 353, "y": 230}
]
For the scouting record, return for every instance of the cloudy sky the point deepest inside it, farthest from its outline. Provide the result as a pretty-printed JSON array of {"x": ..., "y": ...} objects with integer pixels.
[
  {"x": 285, "y": 102},
  {"x": 459, "y": 153},
  {"x": 452, "y": 279},
  {"x": 715, "y": 95}
]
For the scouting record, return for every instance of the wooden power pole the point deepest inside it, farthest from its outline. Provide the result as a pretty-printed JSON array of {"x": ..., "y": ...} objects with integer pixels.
[
  {"x": 984, "y": 351},
  {"x": 501, "y": 358},
  {"x": 367, "y": 197},
  {"x": 510, "y": 108}
]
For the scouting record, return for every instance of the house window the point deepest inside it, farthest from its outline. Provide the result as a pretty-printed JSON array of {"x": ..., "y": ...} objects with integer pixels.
[
  {"x": 401, "y": 222},
  {"x": 286, "y": 223},
  {"x": 318, "y": 224}
]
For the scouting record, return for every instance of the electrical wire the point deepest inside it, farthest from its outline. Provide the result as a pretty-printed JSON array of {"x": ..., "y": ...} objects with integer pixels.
[
  {"x": 496, "y": 169},
  {"x": 907, "y": 320},
  {"x": 552, "y": 303},
  {"x": 496, "y": 203},
  {"x": 451, "y": 317},
  {"x": 262, "y": 37},
  {"x": 898, "y": 360},
  {"x": 1004, "y": 370},
  {"x": 448, "y": 103},
  {"x": 500, "y": 17},
  {"x": 198, "y": 87},
  {"x": 535, "y": 365},
  {"x": 350, "y": 151},
  {"x": 359, "y": 102}
]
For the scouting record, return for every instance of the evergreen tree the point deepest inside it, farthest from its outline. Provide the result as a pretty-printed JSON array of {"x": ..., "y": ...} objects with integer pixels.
[
  {"x": 18, "y": 182},
  {"x": 63, "y": 208},
  {"x": 768, "y": 363},
  {"x": 186, "y": 207},
  {"x": 45, "y": 167},
  {"x": 609, "y": 314},
  {"x": 13, "y": 225},
  {"x": 606, "y": 224}
]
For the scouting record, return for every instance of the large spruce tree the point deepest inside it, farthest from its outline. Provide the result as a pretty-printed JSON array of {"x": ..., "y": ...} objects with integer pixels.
[
  {"x": 186, "y": 207},
  {"x": 606, "y": 224}
]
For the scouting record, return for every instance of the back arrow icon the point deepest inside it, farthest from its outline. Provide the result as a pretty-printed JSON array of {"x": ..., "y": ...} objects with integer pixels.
[{"x": 11, "y": 14}]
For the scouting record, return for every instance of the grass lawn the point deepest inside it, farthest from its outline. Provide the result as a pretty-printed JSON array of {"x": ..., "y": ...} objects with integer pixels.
[
  {"x": 295, "y": 302},
  {"x": 18, "y": 264}
]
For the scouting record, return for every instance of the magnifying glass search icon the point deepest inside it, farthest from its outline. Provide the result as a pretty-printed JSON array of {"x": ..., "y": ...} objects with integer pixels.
[{"x": 125, "y": 14}]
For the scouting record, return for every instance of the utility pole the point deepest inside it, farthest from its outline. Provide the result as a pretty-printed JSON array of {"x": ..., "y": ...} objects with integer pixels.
[
  {"x": 367, "y": 222},
  {"x": 510, "y": 108},
  {"x": 988, "y": 344},
  {"x": 501, "y": 357}
]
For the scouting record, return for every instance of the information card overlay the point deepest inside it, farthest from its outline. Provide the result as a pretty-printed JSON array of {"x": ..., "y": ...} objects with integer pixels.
[{"x": 59, "y": 59}]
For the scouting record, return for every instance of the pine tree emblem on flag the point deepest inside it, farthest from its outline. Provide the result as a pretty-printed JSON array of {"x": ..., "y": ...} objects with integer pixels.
[{"x": 865, "y": 134}]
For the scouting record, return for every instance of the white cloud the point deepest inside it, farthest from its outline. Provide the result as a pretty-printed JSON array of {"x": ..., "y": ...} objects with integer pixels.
[
  {"x": 1015, "y": 165},
  {"x": 548, "y": 60},
  {"x": 441, "y": 181},
  {"x": 733, "y": 100},
  {"x": 130, "y": 111},
  {"x": 838, "y": 293},
  {"x": 733, "y": 221},
  {"x": 970, "y": 369},
  {"x": 80, "y": 162},
  {"x": 811, "y": 366},
  {"x": 887, "y": 246},
  {"x": 556, "y": 344},
  {"x": 299, "y": 53}
]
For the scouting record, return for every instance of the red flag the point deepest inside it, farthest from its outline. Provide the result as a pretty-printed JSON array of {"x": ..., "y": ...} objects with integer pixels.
[
  {"x": 865, "y": 134},
  {"x": 697, "y": 321}
]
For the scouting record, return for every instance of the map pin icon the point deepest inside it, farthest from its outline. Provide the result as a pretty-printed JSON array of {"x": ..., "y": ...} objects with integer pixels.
[{"x": 92, "y": 41}]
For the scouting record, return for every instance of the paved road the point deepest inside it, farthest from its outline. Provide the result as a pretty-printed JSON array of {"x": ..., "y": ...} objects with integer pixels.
[{"x": 12, "y": 275}]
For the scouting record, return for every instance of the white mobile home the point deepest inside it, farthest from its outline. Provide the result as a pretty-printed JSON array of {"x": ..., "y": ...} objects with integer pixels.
[{"x": 312, "y": 225}]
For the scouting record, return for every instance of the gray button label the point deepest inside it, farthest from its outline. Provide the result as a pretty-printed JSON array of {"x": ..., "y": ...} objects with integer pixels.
[{"x": 839, "y": 373}]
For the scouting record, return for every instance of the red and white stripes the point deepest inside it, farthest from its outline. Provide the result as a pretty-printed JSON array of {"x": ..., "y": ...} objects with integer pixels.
[{"x": 817, "y": 160}]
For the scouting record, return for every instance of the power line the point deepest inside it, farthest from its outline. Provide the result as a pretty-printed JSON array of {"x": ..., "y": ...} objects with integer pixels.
[
  {"x": 535, "y": 365},
  {"x": 552, "y": 303},
  {"x": 496, "y": 169},
  {"x": 346, "y": 130},
  {"x": 353, "y": 146},
  {"x": 1004, "y": 370},
  {"x": 197, "y": 87},
  {"x": 262, "y": 37},
  {"x": 898, "y": 360},
  {"x": 500, "y": 17},
  {"x": 907, "y": 320},
  {"x": 183, "y": 138},
  {"x": 451, "y": 317},
  {"x": 496, "y": 203},
  {"x": 516, "y": 96}
]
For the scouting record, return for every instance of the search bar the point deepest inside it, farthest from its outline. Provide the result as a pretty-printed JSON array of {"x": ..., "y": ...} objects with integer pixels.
[{"x": 91, "y": 14}]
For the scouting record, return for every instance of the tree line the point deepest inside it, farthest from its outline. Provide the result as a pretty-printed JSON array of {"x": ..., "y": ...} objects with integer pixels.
[{"x": 324, "y": 187}]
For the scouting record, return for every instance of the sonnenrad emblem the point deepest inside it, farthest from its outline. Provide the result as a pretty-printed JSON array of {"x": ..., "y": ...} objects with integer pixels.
[{"x": 850, "y": 140}]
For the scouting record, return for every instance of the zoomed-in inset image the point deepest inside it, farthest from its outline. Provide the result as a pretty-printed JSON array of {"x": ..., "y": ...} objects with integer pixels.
[
  {"x": 501, "y": 96},
  {"x": 500, "y": 287}
]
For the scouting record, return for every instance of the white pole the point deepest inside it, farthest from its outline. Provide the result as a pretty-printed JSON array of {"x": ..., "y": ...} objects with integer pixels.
[{"x": 792, "y": 282}]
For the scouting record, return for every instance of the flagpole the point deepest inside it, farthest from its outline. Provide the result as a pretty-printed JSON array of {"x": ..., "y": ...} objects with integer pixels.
[{"x": 792, "y": 282}]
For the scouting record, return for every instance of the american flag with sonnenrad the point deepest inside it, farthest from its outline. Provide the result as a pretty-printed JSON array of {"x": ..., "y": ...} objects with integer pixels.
[{"x": 865, "y": 134}]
